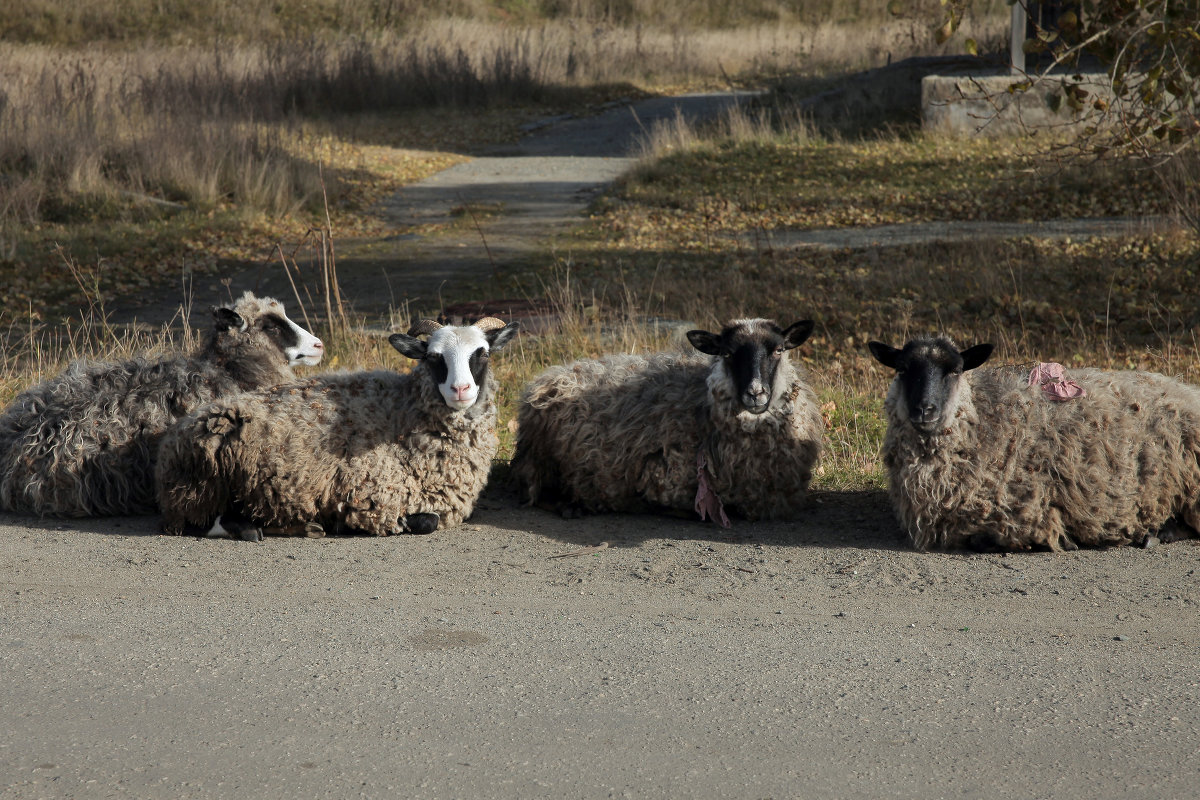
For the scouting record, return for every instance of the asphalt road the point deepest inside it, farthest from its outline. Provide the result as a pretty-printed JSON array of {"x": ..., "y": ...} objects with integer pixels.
[{"x": 821, "y": 658}]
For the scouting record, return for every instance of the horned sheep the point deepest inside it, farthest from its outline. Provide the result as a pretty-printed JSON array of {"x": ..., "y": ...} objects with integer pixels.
[
  {"x": 1015, "y": 458},
  {"x": 734, "y": 425},
  {"x": 377, "y": 452},
  {"x": 83, "y": 443}
]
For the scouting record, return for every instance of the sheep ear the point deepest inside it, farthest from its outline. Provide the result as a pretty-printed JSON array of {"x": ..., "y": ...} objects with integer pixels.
[
  {"x": 226, "y": 318},
  {"x": 884, "y": 354},
  {"x": 705, "y": 342},
  {"x": 498, "y": 338},
  {"x": 974, "y": 356},
  {"x": 797, "y": 333},
  {"x": 410, "y": 346}
]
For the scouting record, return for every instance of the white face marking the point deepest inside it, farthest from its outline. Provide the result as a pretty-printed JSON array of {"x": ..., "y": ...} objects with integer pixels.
[
  {"x": 217, "y": 531},
  {"x": 308, "y": 350},
  {"x": 456, "y": 345}
]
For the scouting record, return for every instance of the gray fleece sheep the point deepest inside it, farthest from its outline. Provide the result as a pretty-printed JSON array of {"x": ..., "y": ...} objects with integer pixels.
[
  {"x": 82, "y": 443},
  {"x": 376, "y": 452},
  {"x": 1016, "y": 459},
  {"x": 738, "y": 426}
]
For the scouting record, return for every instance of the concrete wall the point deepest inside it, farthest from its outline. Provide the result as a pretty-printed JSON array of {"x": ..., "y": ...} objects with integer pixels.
[{"x": 971, "y": 105}]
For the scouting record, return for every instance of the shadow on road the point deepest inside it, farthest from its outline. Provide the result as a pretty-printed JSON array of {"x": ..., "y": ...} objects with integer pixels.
[{"x": 860, "y": 519}]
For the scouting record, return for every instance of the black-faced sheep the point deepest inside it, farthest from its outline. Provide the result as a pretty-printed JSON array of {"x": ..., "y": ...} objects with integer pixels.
[
  {"x": 376, "y": 452},
  {"x": 737, "y": 426},
  {"x": 83, "y": 443},
  {"x": 1015, "y": 459}
]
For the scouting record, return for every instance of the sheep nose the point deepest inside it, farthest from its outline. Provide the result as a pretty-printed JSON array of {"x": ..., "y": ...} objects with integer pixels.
[
  {"x": 318, "y": 345},
  {"x": 461, "y": 391},
  {"x": 925, "y": 411}
]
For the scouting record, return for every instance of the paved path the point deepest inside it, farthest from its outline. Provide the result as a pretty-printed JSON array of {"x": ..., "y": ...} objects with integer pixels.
[
  {"x": 821, "y": 658},
  {"x": 965, "y": 231}
]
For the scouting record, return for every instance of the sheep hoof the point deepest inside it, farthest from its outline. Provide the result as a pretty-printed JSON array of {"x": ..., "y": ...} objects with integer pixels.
[
  {"x": 419, "y": 524},
  {"x": 240, "y": 528},
  {"x": 314, "y": 530},
  {"x": 1150, "y": 541},
  {"x": 1173, "y": 531}
]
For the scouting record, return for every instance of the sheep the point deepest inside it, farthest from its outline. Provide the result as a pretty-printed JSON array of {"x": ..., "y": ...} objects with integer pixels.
[
  {"x": 376, "y": 452},
  {"x": 83, "y": 443},
  {"x": 1013, "y": 459},
  {"x": 734, "y": 425}
]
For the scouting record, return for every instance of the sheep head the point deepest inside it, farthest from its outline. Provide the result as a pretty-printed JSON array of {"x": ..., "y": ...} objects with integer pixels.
[
  {"x": 749, "y": 353},
  {"x": 925, "y": 391},
  {"x": 456, "y": 355},
  {"x": 260, "y": 322}
]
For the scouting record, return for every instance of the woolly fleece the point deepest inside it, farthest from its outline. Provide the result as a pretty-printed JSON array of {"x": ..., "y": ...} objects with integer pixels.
[
  {"x": 622, "y": 433},
  {"x": 1024, "y": 471}
]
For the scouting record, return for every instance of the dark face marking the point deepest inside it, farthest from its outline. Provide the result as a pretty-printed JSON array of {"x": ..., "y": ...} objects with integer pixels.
[
  {"x": 928, "y": 372},
  {"x": 478, "y": 363},
  {"x": 751, "y": 354},
  {"x": 752, "y": 366},
  {"x": 438, "y": 367},
  {"x": 277, "y": 329}
]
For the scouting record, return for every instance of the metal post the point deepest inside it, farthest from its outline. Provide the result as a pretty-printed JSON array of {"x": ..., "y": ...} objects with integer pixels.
[{"x": 1017, "y": 40}]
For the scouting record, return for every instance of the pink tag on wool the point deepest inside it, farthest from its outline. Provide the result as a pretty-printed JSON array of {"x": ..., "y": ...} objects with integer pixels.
[
  {"x": 1052, "y": 371},
  {"x": 1052, "y": 377},
  {"x": 708, "y": 504},
  {"x": 1061, "y": 391}
]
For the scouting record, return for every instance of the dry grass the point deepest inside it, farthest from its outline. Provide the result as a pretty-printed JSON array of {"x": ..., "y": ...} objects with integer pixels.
[
  {"x": 74, "y": 22},
  {"x": 164, "y": 158},
  {"x": 179, "y": 124}
]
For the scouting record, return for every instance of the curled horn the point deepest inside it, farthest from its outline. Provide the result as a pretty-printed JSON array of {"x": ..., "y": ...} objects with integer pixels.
[
  {"x": 489, "y": 324},
  {"x": 424, "y": 326}
]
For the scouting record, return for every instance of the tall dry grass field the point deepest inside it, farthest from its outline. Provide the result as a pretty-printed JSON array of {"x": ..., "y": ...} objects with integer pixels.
[{"x": 89, "y": 130}]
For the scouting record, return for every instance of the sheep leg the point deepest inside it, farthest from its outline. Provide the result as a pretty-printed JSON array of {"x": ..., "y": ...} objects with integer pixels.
[
  {"x": 309, "y": 530},
  {"x": 419, "y": 524},
  {"x": 984, "y": 543},
  {"x": 1175, "y": 530},
  {"x": 238, "y": 527}
]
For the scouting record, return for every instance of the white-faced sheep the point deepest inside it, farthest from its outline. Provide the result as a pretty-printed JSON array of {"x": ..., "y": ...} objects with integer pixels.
[
  {"x": 83, "y": 443},
  {"x": 1005, "y": 458},
  {"x": 738, "y": 426},
  {"x": 377, "y": 452}
]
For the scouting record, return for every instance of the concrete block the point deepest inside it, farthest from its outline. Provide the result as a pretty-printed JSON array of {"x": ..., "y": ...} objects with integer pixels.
[{"x": 974, "y": 105}]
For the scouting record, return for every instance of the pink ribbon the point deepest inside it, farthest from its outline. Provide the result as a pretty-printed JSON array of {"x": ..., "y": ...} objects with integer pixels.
[
  {"x": 1052, "y": 378},
  {"x": 708, "y": 504}
]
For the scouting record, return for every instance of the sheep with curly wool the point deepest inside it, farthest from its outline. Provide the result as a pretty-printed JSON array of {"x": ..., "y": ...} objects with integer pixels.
[
  {"x": 377, "y": 452},
  {"x": 83, "y": 443},
  {"x": 1012, "y": 458},
  {"x": 734, "y": 425}
]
